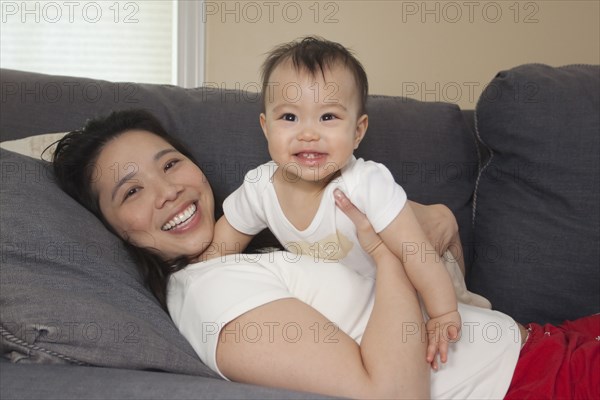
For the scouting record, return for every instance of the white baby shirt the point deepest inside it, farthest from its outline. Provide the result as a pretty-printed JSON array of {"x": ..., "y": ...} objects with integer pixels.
[{"x": 331, "y": 235}]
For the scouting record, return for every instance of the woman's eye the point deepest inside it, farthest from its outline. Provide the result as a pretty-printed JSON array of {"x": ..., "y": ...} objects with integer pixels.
[
  {"x": 288, "y": 117},
  {"x": 131, "y": 192},
  {"x": 170, "y": 164}
]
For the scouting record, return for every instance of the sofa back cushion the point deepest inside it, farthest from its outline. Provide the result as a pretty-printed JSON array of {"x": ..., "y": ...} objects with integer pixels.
[
  {"x": 428, "y": 146},
  {"x": 536, "y": 213}
]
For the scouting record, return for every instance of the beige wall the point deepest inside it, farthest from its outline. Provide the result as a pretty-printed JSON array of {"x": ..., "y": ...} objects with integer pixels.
[{"x": 428, "y": 50}]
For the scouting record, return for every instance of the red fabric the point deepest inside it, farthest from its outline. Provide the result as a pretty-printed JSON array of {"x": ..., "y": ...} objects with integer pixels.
[{"x": 559, "y": 362}]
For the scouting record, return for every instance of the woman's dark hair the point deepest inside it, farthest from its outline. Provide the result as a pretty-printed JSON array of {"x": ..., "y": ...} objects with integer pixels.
[
  {"x": 74, "y": 162},
  {"x": 314, "y": 53}
]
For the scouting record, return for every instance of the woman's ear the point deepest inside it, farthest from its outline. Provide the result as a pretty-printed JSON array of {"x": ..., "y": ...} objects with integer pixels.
[{"x": 361, "y": 129}]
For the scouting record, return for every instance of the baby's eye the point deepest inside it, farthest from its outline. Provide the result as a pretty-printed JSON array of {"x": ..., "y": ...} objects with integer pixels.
[
  {"x": 328, "y": 117},
  {"x": 288, "y": 117}
]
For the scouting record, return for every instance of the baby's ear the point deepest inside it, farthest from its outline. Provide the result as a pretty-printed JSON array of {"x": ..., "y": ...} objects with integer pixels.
[
  {"x": 263, "y": 123},
  {"x": 361, "y": 129}
]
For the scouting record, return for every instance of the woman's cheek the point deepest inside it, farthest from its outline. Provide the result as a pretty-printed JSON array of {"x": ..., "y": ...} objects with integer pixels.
[
  {"x": 143, "y": 239},
  {"x": 138, "y": 220},
  {"x": 134, "y": 222}
]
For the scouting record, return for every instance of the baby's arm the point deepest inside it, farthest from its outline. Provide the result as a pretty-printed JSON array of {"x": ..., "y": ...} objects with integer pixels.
[
  {"x": 243, "y": 214},
  {"x": 227, "y": 239},
  {"x": 426, "y": 271}
]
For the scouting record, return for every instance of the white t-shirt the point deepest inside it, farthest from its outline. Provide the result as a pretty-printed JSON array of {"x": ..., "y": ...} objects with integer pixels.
[
  {"x": 202, "y": 298},
  {"x": 331, "y": 235}
]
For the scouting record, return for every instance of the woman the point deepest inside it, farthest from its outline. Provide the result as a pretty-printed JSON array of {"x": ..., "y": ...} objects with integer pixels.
[{"x": 282, "y": 320}]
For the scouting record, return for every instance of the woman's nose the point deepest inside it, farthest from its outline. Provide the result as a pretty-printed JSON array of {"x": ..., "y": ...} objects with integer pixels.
[{"x": 166, "y": 191}]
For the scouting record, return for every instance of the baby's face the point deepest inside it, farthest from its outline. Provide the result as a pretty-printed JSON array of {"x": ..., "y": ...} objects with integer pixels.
[{"x": 312, "y": 123}]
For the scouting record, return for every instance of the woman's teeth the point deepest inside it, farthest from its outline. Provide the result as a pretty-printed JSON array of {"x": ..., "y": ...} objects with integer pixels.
[{"x": 180, "y": 218}]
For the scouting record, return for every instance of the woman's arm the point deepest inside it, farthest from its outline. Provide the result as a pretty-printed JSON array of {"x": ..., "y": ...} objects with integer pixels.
[
  {"x": 440, "y": 227},
  {"x": 407, "y": 240},
  {"x": 389, "y": 362}
]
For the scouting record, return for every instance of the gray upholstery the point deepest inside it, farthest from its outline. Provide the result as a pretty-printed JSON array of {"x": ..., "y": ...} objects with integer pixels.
[
  {"x": 537, "y": 214},
  {"x": 64, "y": 382}
]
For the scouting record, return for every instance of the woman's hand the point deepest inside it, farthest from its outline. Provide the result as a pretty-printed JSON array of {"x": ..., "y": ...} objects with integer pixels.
[
  {"x": 438, "y": 223},
  {"x": 368, "y": 238},
  {"x": 440, "y": 226}
]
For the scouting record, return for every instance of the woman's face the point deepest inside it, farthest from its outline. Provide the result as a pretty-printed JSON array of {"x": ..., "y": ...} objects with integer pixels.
[{"x": 154, "y": 196}]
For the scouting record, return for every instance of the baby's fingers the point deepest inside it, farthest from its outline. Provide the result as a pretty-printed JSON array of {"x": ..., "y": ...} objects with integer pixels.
[
  {"x": 432, "y": 355},
  {"x": 443, "y": 348},
  {"x": 434, "y": 364},
  {"x": 452, "y": 332},
  {"x": 432, "y": 348}
]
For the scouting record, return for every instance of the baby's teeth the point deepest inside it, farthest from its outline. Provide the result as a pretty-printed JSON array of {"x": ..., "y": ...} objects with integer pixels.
[{"x": 310, "y": 155}]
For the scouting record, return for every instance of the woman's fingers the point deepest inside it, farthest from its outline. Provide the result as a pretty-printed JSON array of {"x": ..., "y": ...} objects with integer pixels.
[
  {"x": 368, "y": 238},
  {"x": 344, "y": 204}
]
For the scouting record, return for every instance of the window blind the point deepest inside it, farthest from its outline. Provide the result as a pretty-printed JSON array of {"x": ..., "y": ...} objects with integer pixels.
[{"x": 113, "y": 40}]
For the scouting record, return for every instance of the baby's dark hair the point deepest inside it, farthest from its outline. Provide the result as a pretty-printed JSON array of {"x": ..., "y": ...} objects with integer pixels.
[
  {"x": 313, "y": 54},
  {"x": 74, "y": 168}
]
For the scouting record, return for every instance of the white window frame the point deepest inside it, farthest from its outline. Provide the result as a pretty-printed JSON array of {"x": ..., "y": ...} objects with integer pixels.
[{"x": 188, "y": 57}]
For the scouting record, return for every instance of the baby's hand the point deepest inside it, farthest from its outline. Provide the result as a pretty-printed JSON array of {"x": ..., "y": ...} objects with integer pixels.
[{"x": 441, "y": 331}]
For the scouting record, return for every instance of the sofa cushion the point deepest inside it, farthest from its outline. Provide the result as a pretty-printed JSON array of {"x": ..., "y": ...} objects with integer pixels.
[
  {"x": 70, "y": 292},
  {"x": 76, "y": 383},
  {"x": 34, "y": 146},
  {"x": 536, "y": 213}
]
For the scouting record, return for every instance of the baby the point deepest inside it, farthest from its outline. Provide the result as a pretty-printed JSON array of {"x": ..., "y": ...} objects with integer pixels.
[{"x": 314, "y": 94}]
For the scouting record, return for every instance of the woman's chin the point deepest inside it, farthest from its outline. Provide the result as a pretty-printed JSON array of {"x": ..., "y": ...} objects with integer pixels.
[{"x": 195, "y": 247}]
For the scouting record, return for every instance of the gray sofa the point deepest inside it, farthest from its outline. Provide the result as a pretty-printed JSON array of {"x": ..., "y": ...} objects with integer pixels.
[{"x": 520, "y": 172}]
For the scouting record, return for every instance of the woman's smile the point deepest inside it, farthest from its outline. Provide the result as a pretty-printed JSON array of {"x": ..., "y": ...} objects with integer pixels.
[{"x": 184, "y": 220}]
